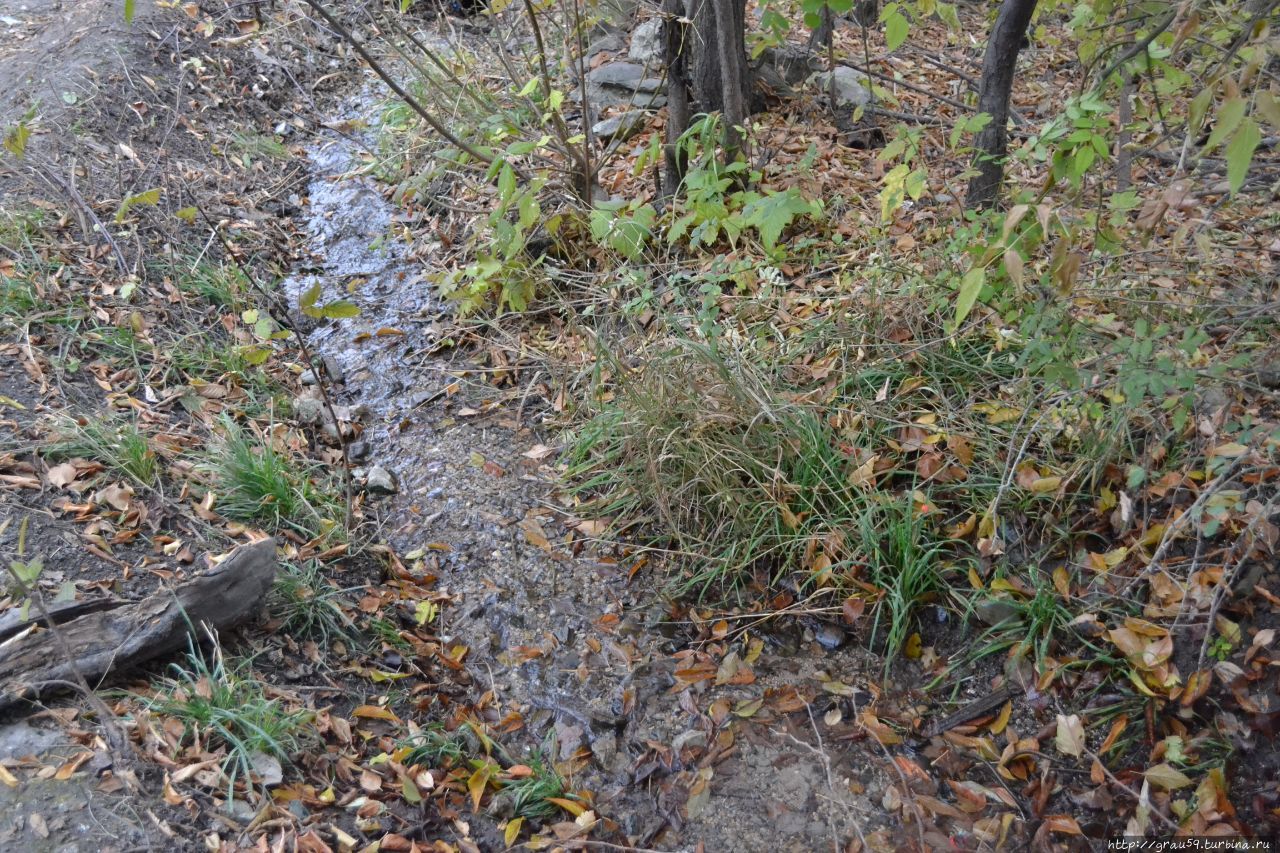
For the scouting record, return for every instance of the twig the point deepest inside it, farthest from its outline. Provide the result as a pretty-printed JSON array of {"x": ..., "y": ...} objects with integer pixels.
[
  {"x": 904, "y": 84},
  {"x": 901, "y": 116},
  {"x": 73, "y": 194}
]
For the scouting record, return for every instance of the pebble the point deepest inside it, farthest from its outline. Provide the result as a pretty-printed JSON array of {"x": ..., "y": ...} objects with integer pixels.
[
  {"x": 830, "y": 637},
  {"x": 381, "y": 480}
]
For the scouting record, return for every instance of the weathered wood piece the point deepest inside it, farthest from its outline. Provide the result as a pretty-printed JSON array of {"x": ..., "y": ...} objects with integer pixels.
[{"x": 131, "y": 633}]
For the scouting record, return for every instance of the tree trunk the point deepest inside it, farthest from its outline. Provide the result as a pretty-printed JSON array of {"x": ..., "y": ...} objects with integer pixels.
[
  {"x": 676, "y": 34},
  {"x": 735, "y": 77},
  {"x": 719, "y": 27},
  {"x": 998, "y": 67}
]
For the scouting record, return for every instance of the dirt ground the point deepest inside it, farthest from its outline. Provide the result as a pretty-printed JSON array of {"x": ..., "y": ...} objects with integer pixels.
[
  {"x": 682, "y": 733},
  {"x": 562, "y": 637}
]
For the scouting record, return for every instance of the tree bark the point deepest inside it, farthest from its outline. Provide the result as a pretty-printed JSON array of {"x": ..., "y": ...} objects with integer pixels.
[
  {"x": 719, "y": 26},
  {"x": 676, "y": 33},
  {"x": 998, "y": 66},
  {"x": 735, "y": 77}
]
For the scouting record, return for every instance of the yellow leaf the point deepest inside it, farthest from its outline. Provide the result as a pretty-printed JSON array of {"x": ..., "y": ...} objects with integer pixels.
[
  {"x": 512, "y": 832},
  {"x": 997, "y": 414},
  {"x": 1002, "y": 719},
  {"x": 963, "y": 528},
  {"x": 7, "y": 777},
  {"x": 1166, "y": 776},
  {"x": 974, "y": 580},
  {"x": 1062, "y": 581},
  {"x": 1230, "y": 450},
  {"x": 913, "y": 647},
  {"x": 575, "y": 809},
  {"x": 1043, "y": 485},
  {"x": 476, "y": 785},
  {"x": 373, "y": 712},
  {"x": 864, "y": 474}
]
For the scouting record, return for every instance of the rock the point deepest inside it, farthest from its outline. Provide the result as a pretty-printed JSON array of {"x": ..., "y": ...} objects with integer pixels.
[
  {"x": 622, "y": 126},
  {"x": 793, "y": 64},
  {"x": 610, "y": 43},
  {"x": 994, "y": 611},
  {"x": 358, "y": 451},
  {"x": 308, "y": 410},
  {"x": 381, "y": 481},
  {"x": 625, "y": 77},
  {"x": 605, "y": 749},
  {"x": 1269, "y": 374},
  {"x": 830, "y": 637},
  {"x": 850, "y": 86},
  {"x": 647, "y": 46},
  {"x": 332, "y": 371},
  {"x": 614, "y": 15}
]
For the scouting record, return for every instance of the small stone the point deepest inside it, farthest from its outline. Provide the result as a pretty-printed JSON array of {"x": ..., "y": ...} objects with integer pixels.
[
  {"x": 793, "y": 64},
  {"x": 610, "y": 43},
  {"x": 994, "y": 611},
  {"x": 605, "y": 749},
  {"x": 623, "y": 126},
  {"x": 381, "y": 481},
  {"x": 1269, "y": 374},
  {"x": 332, "y": 371},
  {"x": 358, "y": 451},
  {"x": 647, "y": 46},
  {"x": 830, "y": 637},
  {"x": 850, "y": 86},
  {"x": 308, "y": 410}
]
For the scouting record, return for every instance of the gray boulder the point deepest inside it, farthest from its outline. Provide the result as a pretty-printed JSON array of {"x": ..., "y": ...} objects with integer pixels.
[
  {"x": 625, "y": 77},
  {"x": 622, "y": 126},
  {"x": 851, "y": 88},
  {"x": 646, "y": 43}
]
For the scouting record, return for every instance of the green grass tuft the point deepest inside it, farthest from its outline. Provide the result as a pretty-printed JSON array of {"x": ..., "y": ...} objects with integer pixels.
[
  {"x": 255, "y": 483},
  {"x": 225, "y": 706},
  {"x": 114, "y": 441},
  {"x": 307, "y": 605}
]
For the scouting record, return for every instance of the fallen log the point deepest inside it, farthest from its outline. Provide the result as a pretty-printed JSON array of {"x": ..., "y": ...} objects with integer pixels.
[{"x": 128, "y": 633}]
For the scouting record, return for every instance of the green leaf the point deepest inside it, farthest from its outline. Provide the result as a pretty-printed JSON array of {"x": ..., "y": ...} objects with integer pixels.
[
  {"x": 128, "y": 11},
  {"x": 307, "y": 301},
  {"x": 1269, "y": 106},
  {"x": 151, "y": 196},
  {"x": 771, "y": 214},
  {"x": 970, "y": 287},
  {"x": 338, "y": 309},
  {"x": 1240, "y": 154},
  {"x": 1225, "y": 122},
  {"x": 187, "y": 214},
  {"x": 16, "y": 139},
  {"x": 895, "y": 30}
]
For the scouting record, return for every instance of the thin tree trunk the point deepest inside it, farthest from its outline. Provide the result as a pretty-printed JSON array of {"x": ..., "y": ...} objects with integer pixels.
[
  {"x": 734, "y": 76},
  {"x": 676, "y": 33},
  {"x": 820, "y": 37},
  {"x": 998, "y": 66}
]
